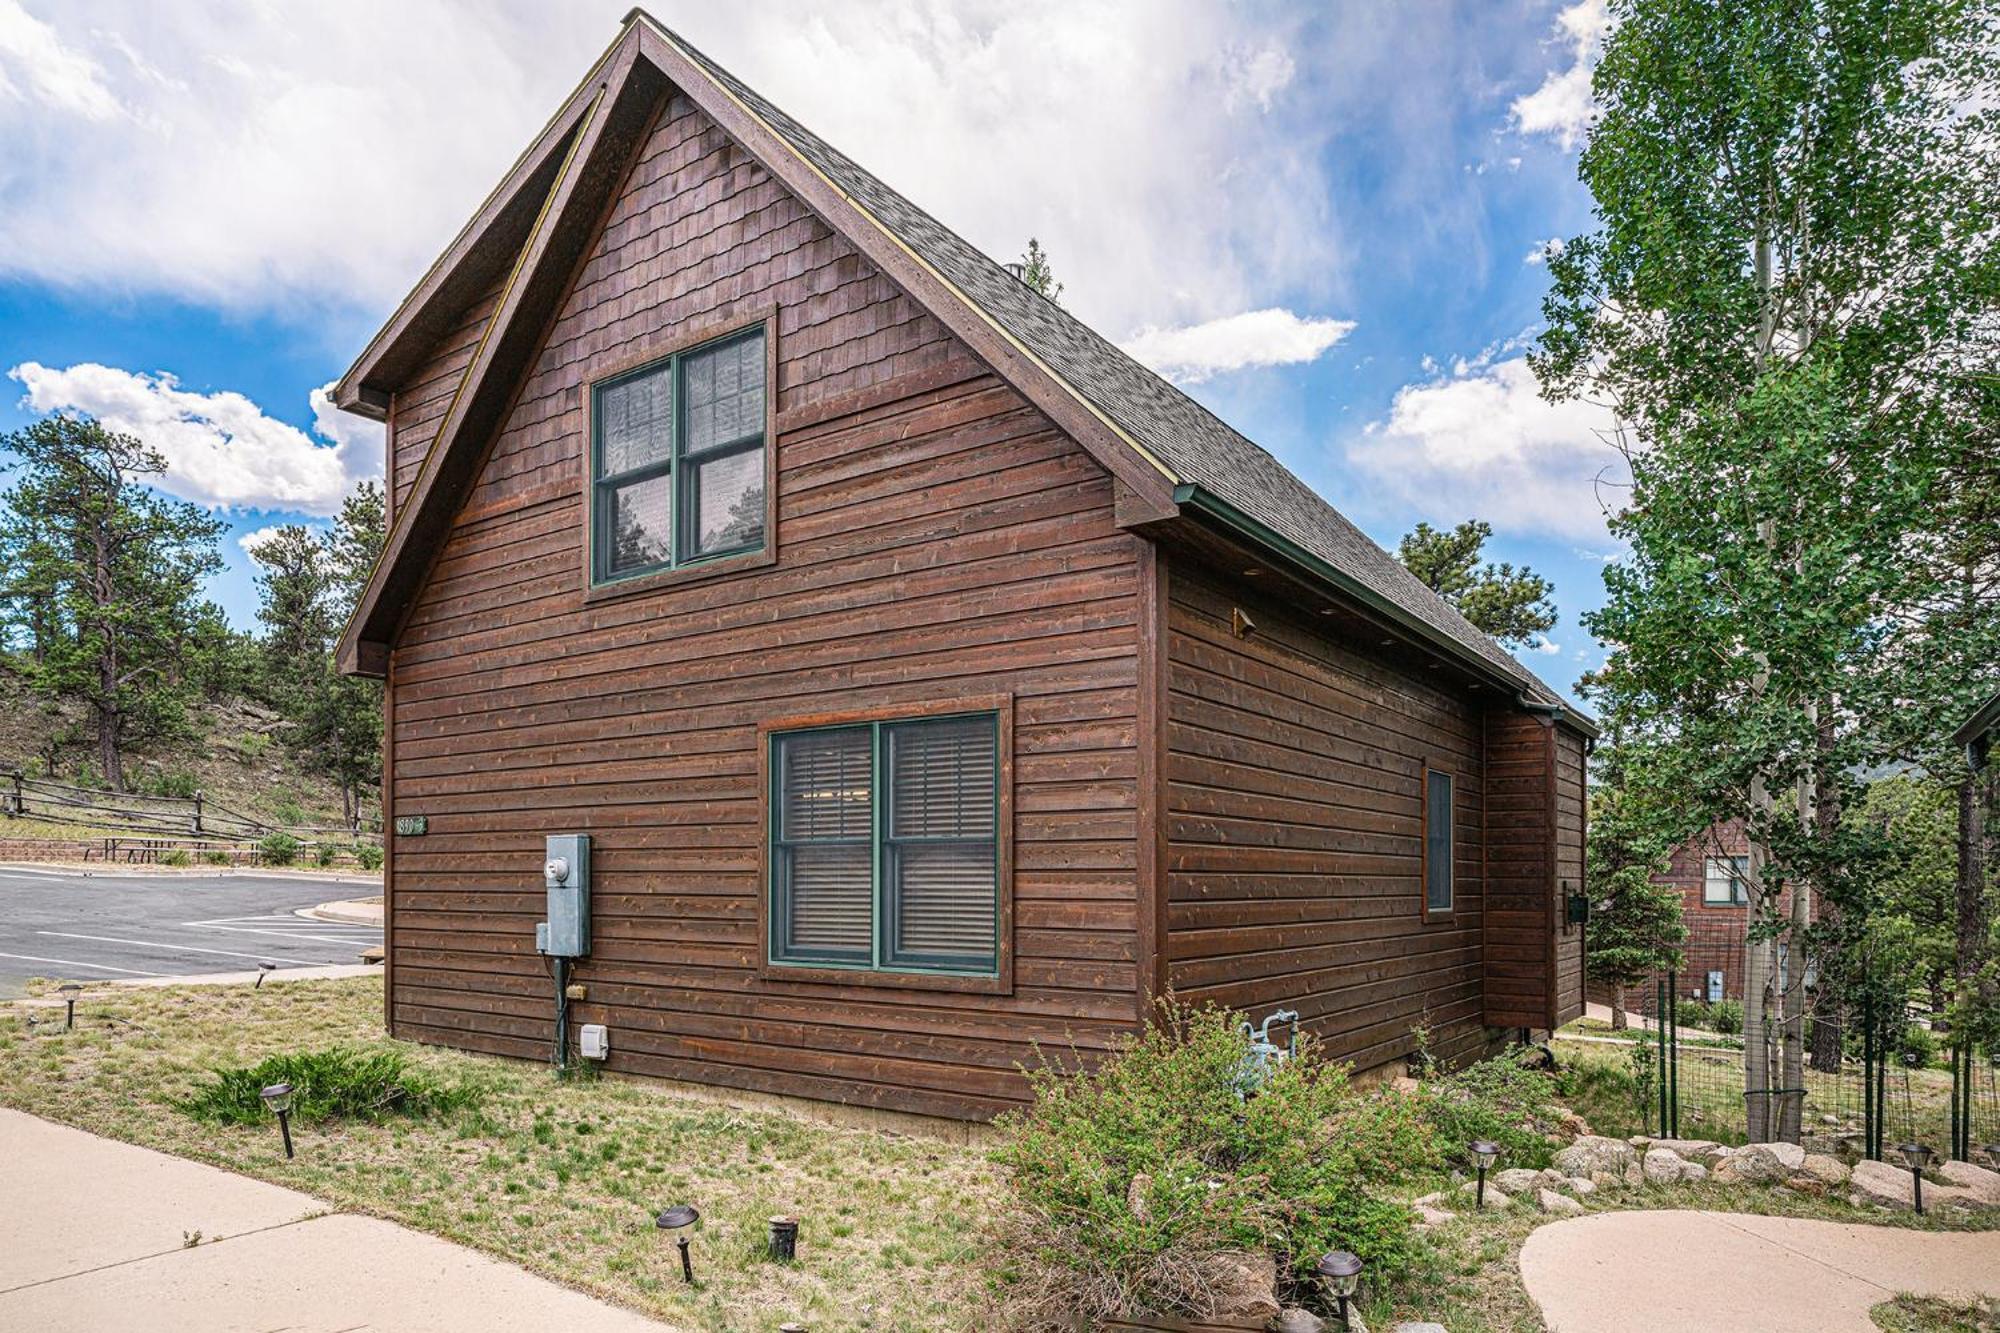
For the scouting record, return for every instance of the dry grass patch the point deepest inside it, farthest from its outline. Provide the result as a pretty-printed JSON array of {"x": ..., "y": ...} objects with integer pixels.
[
  {"x": 1927, "y": 1314},
  {"x": 560, "y": 1177}
]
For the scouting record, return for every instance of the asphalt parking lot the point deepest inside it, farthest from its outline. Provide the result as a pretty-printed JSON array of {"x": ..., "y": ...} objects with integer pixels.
[{"x": 115, "y": 925}]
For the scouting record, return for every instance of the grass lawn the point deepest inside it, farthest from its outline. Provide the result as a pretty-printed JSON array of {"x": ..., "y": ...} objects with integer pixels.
[
  {"x": 561, "y": 1177},
  {"x": 1925, "y": 1314}
]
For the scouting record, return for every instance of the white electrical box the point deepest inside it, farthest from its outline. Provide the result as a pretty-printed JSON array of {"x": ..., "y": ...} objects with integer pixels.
[{"x": 594, "y": 1041}]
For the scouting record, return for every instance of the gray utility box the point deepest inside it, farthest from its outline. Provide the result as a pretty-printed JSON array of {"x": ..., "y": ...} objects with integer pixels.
[{"x": 566, "y": 876}]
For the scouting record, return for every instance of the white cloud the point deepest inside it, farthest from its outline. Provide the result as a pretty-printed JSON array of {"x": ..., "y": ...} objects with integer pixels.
[
  {"x": 35, "y": 65},
  {"x": 1194, "y": 352},
  {"x": 1562, "y": 106},
  {"x": 220, "y": 448},
  {"x": 255, "y": 538},
  {"x": 1543, "y": 251},
  {"x": 1484, "y": 442},
  {"x": 1545, "y": 645}
]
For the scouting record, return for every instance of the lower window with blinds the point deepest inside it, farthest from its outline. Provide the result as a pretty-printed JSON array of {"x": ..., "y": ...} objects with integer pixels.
[{"x": 885, "y": 845}]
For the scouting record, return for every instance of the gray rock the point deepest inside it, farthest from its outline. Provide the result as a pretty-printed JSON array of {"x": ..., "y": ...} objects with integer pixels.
[
  {"x": 1761, "y": 1164},
  {"x": 1982, "y": 1185},
  {"x": 1495, "y": 1196},
  {"x": 1296, "y": 1320},
  {"x": 1516, "y": 1179},
  {"x": 1580, "y": 1187},
  {"x": 1689, "y": 1149},
  {"x": 1828, "y": 1171},
  {"x": 1429, "y": 1215},
  {"x": 1593, "y": 1153},
  {"x": 1417, "y": 1328},
  {"x": 1692, "y": 1172},
  {"x": 1607, "y": 1180},
  {"x": 1553, "y": 1202},
  {"x": 1663, "y": 1166},
  {"x": 1246, "y": 1286},
  {"x": 1879, "y": 1183}
]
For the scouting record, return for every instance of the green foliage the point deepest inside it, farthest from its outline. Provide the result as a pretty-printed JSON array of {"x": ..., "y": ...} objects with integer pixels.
[
  {"x": 1726, "y": 1017},
  {"x": 323, "y": 854},
  {"x": 278, "y": 849},
  {"x": 1692, "y": 1013},
  {"x": 216, "y": 858},
  {"x": 1128, "y": 1180},
  {"x": 177, "y": 783},
  {"x": 1635, "y": 926},
  {"x": 1917, "y": 1045},
  {"x": 368, "y": 855},
  {"x": 1036, "y": 273},
  {"x": 328, "y": 1085},
  {"x": 287, "y": 811},
  {"x": 1515, "y": 606},
  {"x": 102, "y": 580},
  {"x": 177, "y": 857},
  {"x": 1502, "y": 1099}
]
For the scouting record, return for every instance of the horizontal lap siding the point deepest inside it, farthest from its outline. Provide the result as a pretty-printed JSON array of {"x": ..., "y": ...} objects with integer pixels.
[
  {"x": 1295, "y": 776},
  {"x": 1569, "y": 816},
  {"x": 420, "y": 404},
  {"x": 937, "y": 538}
]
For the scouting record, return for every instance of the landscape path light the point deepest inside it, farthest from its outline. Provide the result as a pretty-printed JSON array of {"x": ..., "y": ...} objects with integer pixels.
[
  {"x": 69, "y": 991},
  {"x": 279, "y": 1098},
  {"x": 784, "y": 1240},
  {"x": 263, "y": 970},
  {"x": 1341, "y": 1272},
  {"x": 677, "y": 1218},
  {"x": 1918, "y": 1156},
  {"x": 1485, "y": 1152}
]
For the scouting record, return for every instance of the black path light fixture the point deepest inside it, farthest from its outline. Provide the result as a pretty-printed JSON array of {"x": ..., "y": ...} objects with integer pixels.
[
  {"x": 279, "y": 1098},
  {"x": 1340, "y": 1273},
  {"x": 678, "y": 1218},
  {"x": 1485, "y": 1152},
  {"x": 69, "y": 990},
  {"x": 263, "y": 970},
  {"x": 784, "y": 1240},
  {"x": 1919, "y": 1157}
]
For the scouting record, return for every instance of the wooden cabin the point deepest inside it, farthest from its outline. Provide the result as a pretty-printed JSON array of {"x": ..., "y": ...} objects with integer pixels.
[{"x": 931, "y": 679}]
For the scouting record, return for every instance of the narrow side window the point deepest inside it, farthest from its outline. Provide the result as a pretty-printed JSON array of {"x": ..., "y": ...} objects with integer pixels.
[{"x": 1438, "y": 841}]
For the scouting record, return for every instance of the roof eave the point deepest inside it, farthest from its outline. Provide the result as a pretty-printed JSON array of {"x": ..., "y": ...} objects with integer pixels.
[{"x": 1277, "y": 544}]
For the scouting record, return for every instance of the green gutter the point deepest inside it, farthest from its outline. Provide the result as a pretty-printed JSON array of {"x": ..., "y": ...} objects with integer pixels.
[{"x": 1270, "y": 539}]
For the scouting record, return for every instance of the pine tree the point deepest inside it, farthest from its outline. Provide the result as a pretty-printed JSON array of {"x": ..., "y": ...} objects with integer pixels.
[
  {"x": 104, "y": 579},
  {"x": 1513, "y": 605},
  {"x": 1635, "y": 923}
]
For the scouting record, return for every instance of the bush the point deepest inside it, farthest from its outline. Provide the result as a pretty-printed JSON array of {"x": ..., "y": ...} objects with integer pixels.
[
  {"x": 1917, "y": 1046},
  {"x": 1133, "y": 1182},
  {"x": 178, "y": 783},
  {"x": 278, "y": 849},
  {"x": 327, "y": 1085},
  {"x": 1693, "y": 1014},
  {"x": 216, "y": 858},
  {"x": 368, "y": 855},
  {"x": 1501, "y": 1099},
  {"x": 323, "y": 854},
  {"x": 288, "y": 812},
  {"x": 1726, "y": 1017},
  {"x": 177, "y": 857}
]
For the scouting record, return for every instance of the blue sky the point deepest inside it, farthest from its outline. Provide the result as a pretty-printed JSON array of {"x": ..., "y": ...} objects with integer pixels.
[{"x": 1322, "y": 222}]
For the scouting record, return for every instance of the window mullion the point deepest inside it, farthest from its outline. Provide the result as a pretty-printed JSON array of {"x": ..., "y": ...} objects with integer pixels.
[{"x": 879, "y": 827}]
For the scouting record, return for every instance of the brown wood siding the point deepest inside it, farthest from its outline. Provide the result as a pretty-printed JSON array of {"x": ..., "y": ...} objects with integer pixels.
[
  {"x": 1295, "y": 785},
  {"x": 1518, "y": 869},
  {"x": 1568, "y": 802},
  {"x": 421, "y": 403},
  {"x": 937, "y": 538}
]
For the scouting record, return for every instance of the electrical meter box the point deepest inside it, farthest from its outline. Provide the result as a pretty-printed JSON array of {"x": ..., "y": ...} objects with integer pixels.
[{"x": 566, "y": 876}]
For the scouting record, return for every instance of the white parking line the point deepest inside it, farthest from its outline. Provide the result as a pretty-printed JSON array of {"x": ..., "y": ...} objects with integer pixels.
[
  {"x": 90, "y": 967},
  {"x": 329, "y": 939},
  {"x": 173, "y": 948}
]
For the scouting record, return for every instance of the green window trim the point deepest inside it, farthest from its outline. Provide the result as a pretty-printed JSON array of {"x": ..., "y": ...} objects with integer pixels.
[
  {"x": 647, "y": 505},
  {"x": 967, "y": 856}
]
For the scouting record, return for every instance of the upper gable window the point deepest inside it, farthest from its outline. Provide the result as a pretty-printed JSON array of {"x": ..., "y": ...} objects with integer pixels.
[{"x": 677, "y": 460}]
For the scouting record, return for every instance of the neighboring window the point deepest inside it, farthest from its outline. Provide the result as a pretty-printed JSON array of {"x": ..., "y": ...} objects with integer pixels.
[
  {"x": 677, "y": 462},
  {"x": 885, "y": 845},
  {"x": 1437, "y": 841},
  {"x": 1723, "y": 883}
]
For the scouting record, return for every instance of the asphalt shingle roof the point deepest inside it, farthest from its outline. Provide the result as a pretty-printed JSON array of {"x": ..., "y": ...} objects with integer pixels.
[{"x": 1193, "y": 442}]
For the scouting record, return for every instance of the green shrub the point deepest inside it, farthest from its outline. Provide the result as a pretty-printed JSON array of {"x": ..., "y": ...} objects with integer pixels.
[
  {"x": 216, "y": 858},
  {"x": 327, "y": 1085},
  {"x": 1501, "y": 1099},
  {"x": 1917, "y": 1046},
  {"x": 1726, "y": 1017},
  {"x": 323, "y": 854},
  {"x": 1130, "y": 1181},
  {"x": 177, "y": 783},
  {"x": 252, "y": 745},
  {"x": 288, "y": 812},
  {"x": 278, "y": 849},
  {"x": 368, "y": 855},
  {"x": 1693, "y": 1014},
  {"x": 177, "y": 857}
]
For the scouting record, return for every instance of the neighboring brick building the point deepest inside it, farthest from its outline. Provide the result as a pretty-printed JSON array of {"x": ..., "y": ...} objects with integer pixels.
[{"x": 1714, "y": 903}]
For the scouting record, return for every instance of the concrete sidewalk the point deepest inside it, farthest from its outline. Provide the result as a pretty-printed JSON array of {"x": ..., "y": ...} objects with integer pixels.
[
  {"x": 1741, "y": 1273},
  {"x": 97, "y": 1235}
]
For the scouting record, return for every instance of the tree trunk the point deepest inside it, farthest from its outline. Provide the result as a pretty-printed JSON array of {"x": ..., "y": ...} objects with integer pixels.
[
  {"x": 1618, "y": 1006},
  {"x": 1970, "y": 954}
]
